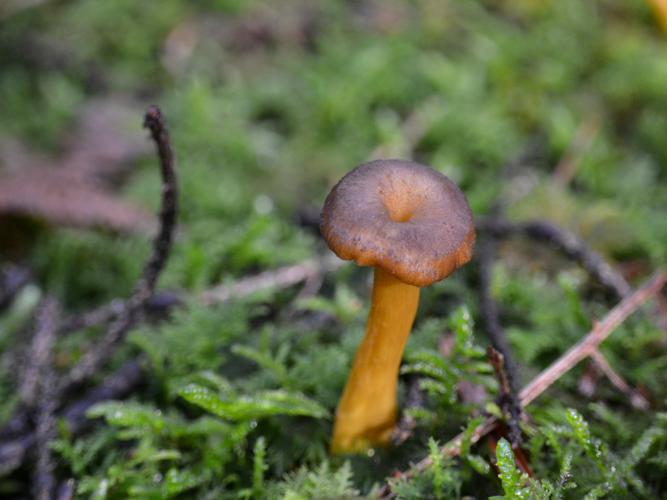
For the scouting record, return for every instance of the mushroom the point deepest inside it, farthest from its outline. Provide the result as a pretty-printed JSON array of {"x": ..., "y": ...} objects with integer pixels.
[{"x": 414, "y": 226}]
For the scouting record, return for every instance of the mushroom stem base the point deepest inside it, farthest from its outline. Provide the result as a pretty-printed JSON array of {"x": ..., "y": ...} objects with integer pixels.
[{"x": 366, "y": 414}]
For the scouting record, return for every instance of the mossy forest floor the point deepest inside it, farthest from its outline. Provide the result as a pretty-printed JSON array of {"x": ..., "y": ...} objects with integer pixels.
[{"x": 551, "y": 110}]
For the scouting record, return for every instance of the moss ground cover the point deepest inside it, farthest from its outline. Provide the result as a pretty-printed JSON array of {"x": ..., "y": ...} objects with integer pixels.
[{"x": 557, "y": 108}]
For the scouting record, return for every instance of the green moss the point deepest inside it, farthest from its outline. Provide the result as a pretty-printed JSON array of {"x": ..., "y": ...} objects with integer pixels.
[{"x": 265, "y": 116}]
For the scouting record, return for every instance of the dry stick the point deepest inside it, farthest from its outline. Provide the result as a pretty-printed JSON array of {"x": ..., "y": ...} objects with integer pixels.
[
  {"x": 267, "y": 280},
  {"x": 497, "y": 360},
  {"x": 13, "y": 452},
  {"x": 97, "y": 316},
  {"x": 39, "y": 393},
  {"x": 576, "y": 249},
  {"x": 636, "y": 398},
  {"x": 506, "y": 366},
  {"x": 562, "y": 365},
  {"x": 157, "y": 303},
  {"x": 103, "y": 349},
  {"x": 39, "y": 356},
  {"x": 45, "y": 431},
  {"x": 588, "y": 344},
  {"x": 567, "y": 243}
]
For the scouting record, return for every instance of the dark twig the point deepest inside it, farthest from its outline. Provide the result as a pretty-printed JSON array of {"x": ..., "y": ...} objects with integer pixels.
[
  {"x": 95, "y": 317},
  {"x": 18, "y": 424},
  {"x": 566, "y": 242},
  {"x": 497, "y": 360},
  {"x": 154, "y": 121},
  {"x": 39, "y": 392},
  {"x": 45, "y": 432},
  {"x": 508, "y": 400},
  {"x": 158, "y": 303},
  {"x": 505, "y": 366},
  {"x": 14, "y": 450},
  {"x": 12, "y": 453},
  {"x": 39, "y": 356},
  {"x": 103, "y": 349},
  {"x": 557, "y": 369}
]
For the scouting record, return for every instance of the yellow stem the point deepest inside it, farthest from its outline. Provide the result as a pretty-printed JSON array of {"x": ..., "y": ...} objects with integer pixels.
[
  {"x": 660, "y": 10},
  {"x": 366, "y": 413}
]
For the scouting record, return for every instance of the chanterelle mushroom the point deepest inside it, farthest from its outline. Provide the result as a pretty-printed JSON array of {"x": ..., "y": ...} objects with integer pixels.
[{"x": 414, "y": 226}]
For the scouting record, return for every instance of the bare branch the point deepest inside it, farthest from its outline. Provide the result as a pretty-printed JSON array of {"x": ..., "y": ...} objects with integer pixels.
[
  {"x": 637, "y": 400},
  {"x": 504, "y": 363},
  {"x": 144, "y": 289},
  {"x": 589, "y": 343},
  {"x": 282, "y": 277},
  {"x": 39, "y": 392},
  {"x": 39, "y": 357}
]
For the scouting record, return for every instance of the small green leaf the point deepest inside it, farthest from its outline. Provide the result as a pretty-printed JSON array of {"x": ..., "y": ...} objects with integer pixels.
[
  {"x": 478, "y": 464},
  {"x": 262, "y": 404},
  {"x": 259, "y": 468},
  {"x": 461, "y": 322},
  {"x": 176, "y": 481},
  {"x": 133, "y": 415},
  {"x": 583, "y": 436},
  {"x": 436, "y": 466},
  {"x": 512, "y": 479},
  {"x": 580, "y": 427}
]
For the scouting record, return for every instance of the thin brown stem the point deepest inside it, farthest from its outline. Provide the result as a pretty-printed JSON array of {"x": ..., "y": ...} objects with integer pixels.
[
  {"x": 281, "y": 277},
  {"x": 145, "y": 287},
  {"x": 505, "y": 366},
  {"x": 41, "y": 396},
  {"x": 595, "y": 337},
  {"x": 636, "y": 398}
]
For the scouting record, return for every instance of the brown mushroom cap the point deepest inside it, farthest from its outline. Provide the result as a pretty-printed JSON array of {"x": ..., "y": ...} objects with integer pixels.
[{"x": 406, "y": 218}]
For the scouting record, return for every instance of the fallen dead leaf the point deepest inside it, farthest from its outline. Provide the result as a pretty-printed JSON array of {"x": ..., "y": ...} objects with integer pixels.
[
  {"x": 75, "y": 189},
  {"x": 64, "y": 199}
]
